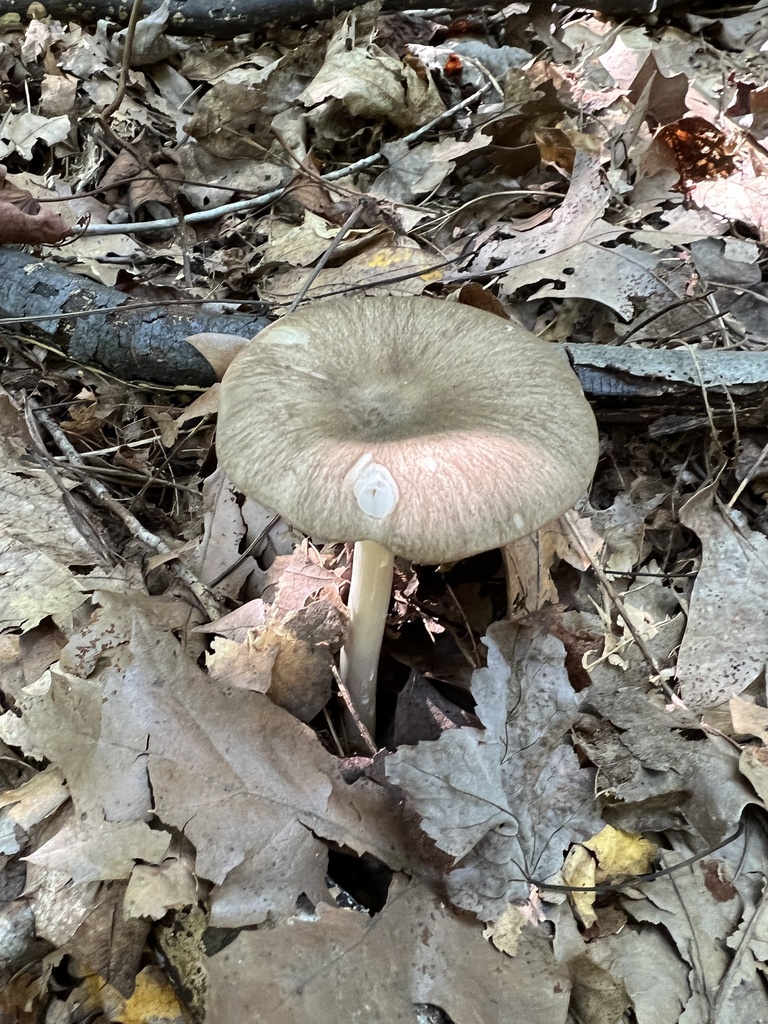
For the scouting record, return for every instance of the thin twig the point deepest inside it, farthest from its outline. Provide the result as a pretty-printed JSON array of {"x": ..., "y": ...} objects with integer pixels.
[
  {"x": 694, "y": 354},
  {"x": 332, "y": 730},
  {"x": 443, "y": 218},
  {"x": 362, "y": 730},
  {"x": 643, "y": 323},
  {"x": 125, "y": 66},
  {"x": 126, "y": 476},
  {"x": 10, "y": 321},
  {"x": 651, "y": 876},
  {"x": 246, "y": 554},
  {"x": 348, "y": 224},
  {"x": 475, "y": 661},
  {"x": 101, "y": 493},
  {"x": 270, "y": 197},
  {"x": 749, "y": 477},
  {"x": 165, "y": 186},
  {"x": 621, "y": 608}
]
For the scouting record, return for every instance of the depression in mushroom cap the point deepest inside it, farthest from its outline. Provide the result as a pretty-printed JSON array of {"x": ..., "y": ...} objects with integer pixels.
[{"x": 436, "y": 429}]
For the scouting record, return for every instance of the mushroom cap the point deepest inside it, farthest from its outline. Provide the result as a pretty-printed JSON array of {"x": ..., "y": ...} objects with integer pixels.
[{"x": 434, "y": 428}]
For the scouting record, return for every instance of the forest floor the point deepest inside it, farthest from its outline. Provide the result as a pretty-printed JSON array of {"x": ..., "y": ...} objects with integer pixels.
[{"x": 562, "y": 818}]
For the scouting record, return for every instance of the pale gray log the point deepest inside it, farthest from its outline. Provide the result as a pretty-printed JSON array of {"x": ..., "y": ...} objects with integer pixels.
[{"x": 648, "y": 372}]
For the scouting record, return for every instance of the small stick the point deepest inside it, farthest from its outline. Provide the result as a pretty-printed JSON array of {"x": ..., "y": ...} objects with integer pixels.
[
  {"x": 613, "y": 594},
  {"x": 345, "y": 227},
  {"x": 101, "y": 493},
  {"x": 352, "y": 711},
  {"x": 126, "y": 62},
  {"x": 269, "y": 197},
  {"x": 749, "y": 477},
  {"x": 240, "y": 560}
]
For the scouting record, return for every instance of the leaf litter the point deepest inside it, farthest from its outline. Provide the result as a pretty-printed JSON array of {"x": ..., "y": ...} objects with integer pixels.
[{"x": 566, "y": 812}]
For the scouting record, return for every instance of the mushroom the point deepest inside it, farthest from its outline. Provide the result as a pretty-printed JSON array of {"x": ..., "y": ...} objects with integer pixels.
[{"x": 411, "y": 426}]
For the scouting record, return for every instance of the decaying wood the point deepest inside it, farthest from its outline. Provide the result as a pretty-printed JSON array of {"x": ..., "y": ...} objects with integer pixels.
[
  {"x": 671, "y": 389},
  {"x": 226, "y": 18},
  {"x": 130, "y": 341},
  {"x": 181, "y": 940}
]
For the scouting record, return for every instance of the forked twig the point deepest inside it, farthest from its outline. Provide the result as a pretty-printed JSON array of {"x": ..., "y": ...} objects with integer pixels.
[{"x": 101, "y": 493}]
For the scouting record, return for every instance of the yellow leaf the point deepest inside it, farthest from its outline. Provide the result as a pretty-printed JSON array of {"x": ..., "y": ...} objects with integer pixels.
[
  {"x": 153, "y": 1001},
  {"x": 579, "y": 871},
  {"x": 620, "y": 854}
]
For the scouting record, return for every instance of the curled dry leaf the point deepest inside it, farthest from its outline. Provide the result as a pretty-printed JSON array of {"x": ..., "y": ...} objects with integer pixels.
[
  {"x": 23, "y": 221},
  {"x": 284, "y": 648},
  {"x": 17, "y": 227},
  {"x": 372, "y": 85},
  {"x": 289, "y": 659},
  {"x": 218, "y": 349}
]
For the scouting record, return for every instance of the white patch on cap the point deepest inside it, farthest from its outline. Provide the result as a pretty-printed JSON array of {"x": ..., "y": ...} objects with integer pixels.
[
  {"x": 283, "y": 334},
  {"x": 374, "y": 487},
  {"x": 518, "y": 520}
]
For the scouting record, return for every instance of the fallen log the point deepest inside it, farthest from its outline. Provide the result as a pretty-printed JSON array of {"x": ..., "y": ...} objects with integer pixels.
[
  {"x": 97, "y": 325},
  {"x": 673, "y": 390},
  {"x": 224, "y": 19},
  {"x": 669, "y": 390}
]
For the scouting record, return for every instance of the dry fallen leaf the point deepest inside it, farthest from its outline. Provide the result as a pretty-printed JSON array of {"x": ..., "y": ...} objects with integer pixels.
[
  {"x": 416, "y": 951},
  {"x": 509, "y": 799},
  {"x": 369, "y": 84},
  {"x": 612, "y": 855},
  {"x": 18, "y": 227},
  {"x": 218, "y": 349},
  {"x": 549, "y": 191},
  {"x": 100, "y": 851},
  {"x": 38, "y": 539},
  {"x": 231, "y": 769},
  {"x": 28, "y": 805},
  {"x": 725, "y": 646},
  {"x": 154, "y": 889},
  {"x": 651, "y": 777}
]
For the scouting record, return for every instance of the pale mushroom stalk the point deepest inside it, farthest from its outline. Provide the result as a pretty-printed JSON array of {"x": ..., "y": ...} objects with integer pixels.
[{"x": 369, "y": 595}]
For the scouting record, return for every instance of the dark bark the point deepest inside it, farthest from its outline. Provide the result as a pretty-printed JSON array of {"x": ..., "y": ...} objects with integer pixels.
[
  {"x": 132, "y": 343},
  {"x": 226, "y": 18},
  {"x": 625, "y": 8},
  {"x": 670, "y": 389}
]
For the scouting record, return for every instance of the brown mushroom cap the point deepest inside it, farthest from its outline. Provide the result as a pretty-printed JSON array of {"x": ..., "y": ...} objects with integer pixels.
[{"x": 434, "y": 428}]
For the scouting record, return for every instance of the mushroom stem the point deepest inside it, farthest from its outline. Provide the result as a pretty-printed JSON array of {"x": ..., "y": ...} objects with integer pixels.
[{"x": 369, "y": 596}]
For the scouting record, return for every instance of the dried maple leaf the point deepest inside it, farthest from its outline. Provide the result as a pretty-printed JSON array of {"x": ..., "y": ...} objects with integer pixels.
[{"x": 510, "y": 798}]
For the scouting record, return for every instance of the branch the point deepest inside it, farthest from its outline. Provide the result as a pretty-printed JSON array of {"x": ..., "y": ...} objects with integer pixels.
[
  {"x": 224, "y": 18},
  {"x": 95, "y": 324}
]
